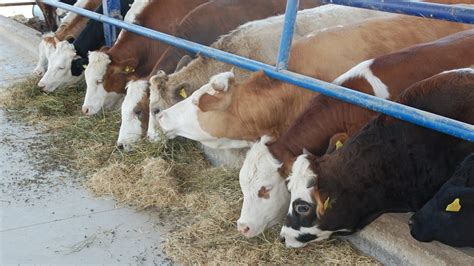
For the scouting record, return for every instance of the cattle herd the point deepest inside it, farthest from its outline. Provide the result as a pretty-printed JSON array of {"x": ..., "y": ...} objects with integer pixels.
[{"x": 330, "y": 167}]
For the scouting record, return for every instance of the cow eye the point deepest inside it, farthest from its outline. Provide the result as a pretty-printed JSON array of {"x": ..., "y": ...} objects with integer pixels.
[
  {"x": 156, "y": 111},
  {"x": 302, "y": 209},
  {"x": 61, "y": 68},
  {"x": 138, "y": 112},
  {"x": 99, "y": 81}
]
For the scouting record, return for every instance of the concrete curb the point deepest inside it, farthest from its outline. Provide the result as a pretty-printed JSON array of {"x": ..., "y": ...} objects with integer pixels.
[
  {"x": 388, "y": 239},
  {"x": 20, "y": 34}
]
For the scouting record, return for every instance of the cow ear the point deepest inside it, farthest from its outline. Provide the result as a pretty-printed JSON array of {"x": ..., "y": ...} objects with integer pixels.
[
  {"x": 184, "y": 61},
  {"x": 182, "y": 91},
  {"x": 336, "y": 142},
  {"x": 78, "y": 66},
  {"x": 159, "y": 78}
]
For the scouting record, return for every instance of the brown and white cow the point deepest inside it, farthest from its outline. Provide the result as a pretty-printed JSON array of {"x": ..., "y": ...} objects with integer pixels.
[
  {"x": 132, "y": 56},
  {"x": 69, "y": 29},
  {"x": 257, "y": 40},
  {"x": 399, "y": 165},
  {"x": 269, "y": 161},
  {"x": 200, "y": 27},
  {"x": 262, "y": 106}
]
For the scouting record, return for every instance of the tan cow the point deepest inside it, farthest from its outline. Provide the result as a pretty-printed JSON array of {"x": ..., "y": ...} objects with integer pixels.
[
  {"x": 69, "y": 29},
  {"x": 258, "y": 40},
  {"x": 262, "y": 106}
]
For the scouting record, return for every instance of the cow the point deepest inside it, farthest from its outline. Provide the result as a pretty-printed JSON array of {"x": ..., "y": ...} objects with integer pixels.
[
  {"x": 132, "y": 56},
  {"x": 69, "y": 29},
  {"x": 448, "y": 216},
  {"x": 388, "y": 166},
  {"x": 198, "y": 26},
  {"x": 262, "y": 106},
  {"x": 257, "y": 40},
  {"x": 269, "y": 161},
  {"x": 50, "y": 15},
  {"x": 68, "y": 61}
]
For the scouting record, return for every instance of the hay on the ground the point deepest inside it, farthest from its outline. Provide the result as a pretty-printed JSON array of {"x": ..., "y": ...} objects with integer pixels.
[{"x": 202, "y": 202}]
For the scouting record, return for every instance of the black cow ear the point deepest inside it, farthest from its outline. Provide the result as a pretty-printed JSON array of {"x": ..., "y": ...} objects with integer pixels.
[{"x": 78, "y": 66}]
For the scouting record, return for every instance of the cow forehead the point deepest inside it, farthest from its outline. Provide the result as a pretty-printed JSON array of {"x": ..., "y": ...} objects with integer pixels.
[
  {"x": 299, "y": 179},
  {"x": 259, "y": 164},
  {"x": 136, "y": 90}
]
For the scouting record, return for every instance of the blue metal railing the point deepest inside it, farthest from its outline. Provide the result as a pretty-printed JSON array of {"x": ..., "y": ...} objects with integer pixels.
[
  {"x": 409, "y": 114},
  {"x": 111, "y": 9},
  {"x": 287, "y": 34}
]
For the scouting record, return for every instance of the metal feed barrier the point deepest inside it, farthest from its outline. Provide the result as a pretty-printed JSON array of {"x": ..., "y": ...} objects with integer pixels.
[{"x": 406, "y": 113}]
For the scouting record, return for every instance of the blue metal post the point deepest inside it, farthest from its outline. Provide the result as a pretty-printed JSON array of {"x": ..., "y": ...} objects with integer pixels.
[
  {"x": 287, "y": 34},
  {"x": 428, "y": 10},
  {"x": 406, "y": 113},
  {"x": 112, "y": 9}
]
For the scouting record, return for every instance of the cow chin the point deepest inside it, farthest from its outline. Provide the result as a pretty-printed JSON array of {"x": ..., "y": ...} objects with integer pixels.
[{"x": 302, "y": 237}]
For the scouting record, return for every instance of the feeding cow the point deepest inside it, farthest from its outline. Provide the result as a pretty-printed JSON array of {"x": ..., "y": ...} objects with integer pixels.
[
  {"x": 68, "y": 61},
  {"x": 198, "y": 26},
  {"x": 389, "y": 166},
  {"x": 132, "y": 56},
  {"x": 257, "y": 40},
  {"x": 269, "y": 162},
  {"x": 262, "y": 106},
  {"x": 69, "y": 29},
  {"x": 448, "y": 216}
]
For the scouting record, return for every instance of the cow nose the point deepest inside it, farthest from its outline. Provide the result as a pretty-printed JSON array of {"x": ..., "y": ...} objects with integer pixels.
[
  {"x": 85, "y": 110},
  {"x": 243, "y": 228},
  {"x": 282, "y": 239},
  {"x": 120, "y": 146},
  {"x": 41, "y": 84},
  {"x": 410, "y": 221}
]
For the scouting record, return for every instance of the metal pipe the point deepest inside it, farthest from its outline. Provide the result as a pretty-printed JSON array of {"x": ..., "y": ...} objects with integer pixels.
[
  {"x": 406, "y": 113},
  {"x": 287, "y": 34},
  {"x": 453, "y": 13},
  {"x": 107, "y": 27}
]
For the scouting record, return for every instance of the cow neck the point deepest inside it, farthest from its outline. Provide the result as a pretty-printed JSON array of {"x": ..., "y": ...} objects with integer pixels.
[{"x": 269, "y": 106}]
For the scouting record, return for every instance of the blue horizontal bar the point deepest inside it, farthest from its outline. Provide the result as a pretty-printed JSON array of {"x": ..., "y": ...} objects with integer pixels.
[
  {"x": 461, "y": 14},
  {"x": 287, "y": 34},
  {"x": 409, "y": 114}
]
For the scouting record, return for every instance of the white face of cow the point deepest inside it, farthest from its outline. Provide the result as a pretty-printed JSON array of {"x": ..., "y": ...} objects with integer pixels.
[
  {"x": 131, "y": 128},
  {"x": 182, "y": 118},
  {"x": 265, "y": 194},
  {"x": 96, "y": 96},
  {"x": 59, "y": 71},
  {"x": 301, "y": 225},
  {"x": 45, "y": 50}
]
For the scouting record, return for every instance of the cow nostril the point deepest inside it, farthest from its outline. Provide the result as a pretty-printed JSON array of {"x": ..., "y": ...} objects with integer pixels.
[
  {"x": 243, "y": 228},
  {"x": 120, "y": 147},
  {"x": 85, "y": 110},
  {"x": 282, "y": 239}
]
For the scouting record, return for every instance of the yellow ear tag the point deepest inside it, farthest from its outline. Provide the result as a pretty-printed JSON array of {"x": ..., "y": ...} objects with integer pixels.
[
  {"x": 339, "y": 145},
  {"x": 455, "y": 206},
  {"x": 183, "y": 94},
  {"x": 327, "y": 203},
  {"x": 129, "y": 69}
]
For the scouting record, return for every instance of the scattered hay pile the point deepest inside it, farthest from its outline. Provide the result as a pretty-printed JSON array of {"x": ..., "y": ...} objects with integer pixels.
[{"x": 202, "y": 202}]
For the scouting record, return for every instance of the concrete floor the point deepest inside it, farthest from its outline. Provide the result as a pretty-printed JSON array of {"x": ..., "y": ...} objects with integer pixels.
[{"x": 46, "y": 216}]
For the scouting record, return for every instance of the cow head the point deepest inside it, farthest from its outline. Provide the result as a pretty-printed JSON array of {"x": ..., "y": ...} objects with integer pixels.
[
  {"x": 265, "y": 194},
  {"x": 162, "y": 97},
  {"x": 45, "y": 49},
  {"x": 65, "y": 68},
  {"x": 182, "y": 118},
  {"x": 134, "y": 113},
  {"x": 311, "y": 214},
  {"x": 96, "y": 95},
  {"x": 448, "y": 216}
]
